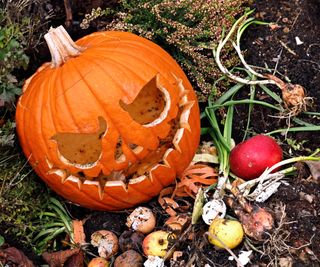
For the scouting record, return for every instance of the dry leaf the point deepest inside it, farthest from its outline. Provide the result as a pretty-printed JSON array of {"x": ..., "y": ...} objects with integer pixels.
[
  {"x": 58, "y": 259},
  {"x": 314, "y": 167},
  {"x": 14, "y": 256},
  {"x": 78, "y": 232}
]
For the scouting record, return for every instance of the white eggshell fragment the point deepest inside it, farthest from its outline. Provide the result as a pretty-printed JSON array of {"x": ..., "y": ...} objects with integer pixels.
[{"x": 213, "y": 209}]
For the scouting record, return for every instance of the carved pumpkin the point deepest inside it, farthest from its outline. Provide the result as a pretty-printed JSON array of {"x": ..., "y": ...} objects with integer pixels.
[{"x": 110, "y": 121}]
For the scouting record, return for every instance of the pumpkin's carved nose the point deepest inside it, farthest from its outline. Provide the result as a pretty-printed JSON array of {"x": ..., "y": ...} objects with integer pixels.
[{"x": 81, "y": 148}]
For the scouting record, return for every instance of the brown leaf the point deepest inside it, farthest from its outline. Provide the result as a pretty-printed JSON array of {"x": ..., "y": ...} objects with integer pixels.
[
  {"x": 14, "y": 256},
  {"x": 75, "y": 260},
  {"x": 314, "y": 167},
  {"x": 58, "y": 259},
  {"x": 78, "y": 232}
]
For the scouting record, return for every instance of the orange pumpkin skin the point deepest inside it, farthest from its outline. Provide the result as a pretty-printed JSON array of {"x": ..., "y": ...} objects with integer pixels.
[{"x": 73, "y": 98}]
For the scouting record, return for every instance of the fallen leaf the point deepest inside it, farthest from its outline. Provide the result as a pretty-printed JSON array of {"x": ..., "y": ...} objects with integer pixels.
[
  {"x": 15, "y": 256},
  {"x": 314, "y": 167},
  {"x": 78, "y": 232},
  {"x": 59, "y": 258}
]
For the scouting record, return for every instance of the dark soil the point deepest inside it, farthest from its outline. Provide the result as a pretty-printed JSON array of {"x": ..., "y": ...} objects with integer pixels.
[
  {"x": 298, "y": 242},
  {"x": 278, "y": 50}
]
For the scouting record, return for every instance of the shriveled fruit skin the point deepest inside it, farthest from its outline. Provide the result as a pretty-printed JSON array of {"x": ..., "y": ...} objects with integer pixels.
[
  {"x": 249, "y": 159},
  {"x": 129, "y": 258}
]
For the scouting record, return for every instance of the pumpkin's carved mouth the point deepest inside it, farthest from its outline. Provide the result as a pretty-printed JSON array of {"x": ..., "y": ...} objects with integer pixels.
[{"x": 150, "y": 107}]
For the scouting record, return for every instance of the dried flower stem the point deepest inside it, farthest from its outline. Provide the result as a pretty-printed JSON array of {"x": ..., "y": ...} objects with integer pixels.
[{"x": 225, "y": 71}]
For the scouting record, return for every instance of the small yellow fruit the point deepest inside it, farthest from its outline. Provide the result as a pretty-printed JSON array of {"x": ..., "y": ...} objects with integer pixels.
[
  {"x": 230, "y": 232},
  {"x": 156, "y": 243}
]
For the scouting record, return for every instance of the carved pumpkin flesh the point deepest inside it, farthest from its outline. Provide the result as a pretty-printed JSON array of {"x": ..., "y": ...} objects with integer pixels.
[{"x": 110, "y": 121}]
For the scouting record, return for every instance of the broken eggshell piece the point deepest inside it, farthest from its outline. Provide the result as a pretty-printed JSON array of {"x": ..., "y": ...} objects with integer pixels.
[{"x": 215, "y": 208}]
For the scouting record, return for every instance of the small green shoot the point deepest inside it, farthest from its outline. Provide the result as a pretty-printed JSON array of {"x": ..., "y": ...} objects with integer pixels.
[
  {"x": 2, "y": 241},
  {"x": 59, "y": 223}
]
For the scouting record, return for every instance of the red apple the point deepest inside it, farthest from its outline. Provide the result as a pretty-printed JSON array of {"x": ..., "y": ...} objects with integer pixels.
[{"x": 249, "y": 159}]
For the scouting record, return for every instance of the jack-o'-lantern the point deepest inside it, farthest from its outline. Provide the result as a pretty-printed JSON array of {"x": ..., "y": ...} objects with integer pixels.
[{"x": 110, "y": 121}]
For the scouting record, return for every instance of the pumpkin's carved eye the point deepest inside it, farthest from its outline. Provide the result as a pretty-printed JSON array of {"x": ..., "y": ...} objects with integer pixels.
[
  {"x": 149, "y": 104},
  {"x": 81, "y": 148}
]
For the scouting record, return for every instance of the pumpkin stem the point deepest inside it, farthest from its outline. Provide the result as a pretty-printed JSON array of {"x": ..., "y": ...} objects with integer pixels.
[{"x": 61, "y": 46}]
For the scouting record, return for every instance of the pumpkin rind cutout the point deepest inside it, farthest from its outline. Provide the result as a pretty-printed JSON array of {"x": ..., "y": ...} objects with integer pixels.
[{"x": 109, "y": 124}]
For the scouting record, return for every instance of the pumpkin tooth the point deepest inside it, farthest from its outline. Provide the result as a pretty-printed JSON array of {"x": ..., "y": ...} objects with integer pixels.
[
  {"x": 166, "y": 154},
  {"x": 177, "y": 138},
  {"x": 75, "y": 179},
  {"x": 138, "y": 179},
  {"x": 117, "y": 183},
  {"x": 137, "y": 149},
  {"x": 59, "y": 172},
  {"x": 101, "y": 185},
  {"x": 121, "y": 159},
  {"x": 184, "y": 118},
  {"x": 183, "y": 101},
  {"x": 179, "y": 84},
  {"x": 95, "y": 183},
  {"x": 49, "y": 163},
  {"x": 182, "y": 90}
]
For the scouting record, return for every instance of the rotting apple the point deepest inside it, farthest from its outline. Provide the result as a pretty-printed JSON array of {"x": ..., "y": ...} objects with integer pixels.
[
  {"x": 249, "y": 159},
  {"x": 156, "y": 243},
  {"x": 130, "y": 239},
  {"x": 129, "y": 258}
]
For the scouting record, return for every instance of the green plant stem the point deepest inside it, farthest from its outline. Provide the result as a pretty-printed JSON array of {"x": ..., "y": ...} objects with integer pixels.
[
  {"x": 252, "y": 95},
  {"x": 214, "y": 124},
  {"x": 295, "y": 129}
]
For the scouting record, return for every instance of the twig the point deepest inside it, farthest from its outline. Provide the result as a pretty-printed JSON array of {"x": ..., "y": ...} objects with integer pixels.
[
  {"x": 295, "y": 19},
  {"x": 287, "y": 48},
  {"x": 69, "y": 18},
  {"x": 173, "y": 247},
  {"x": 277, "y": 63}
]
